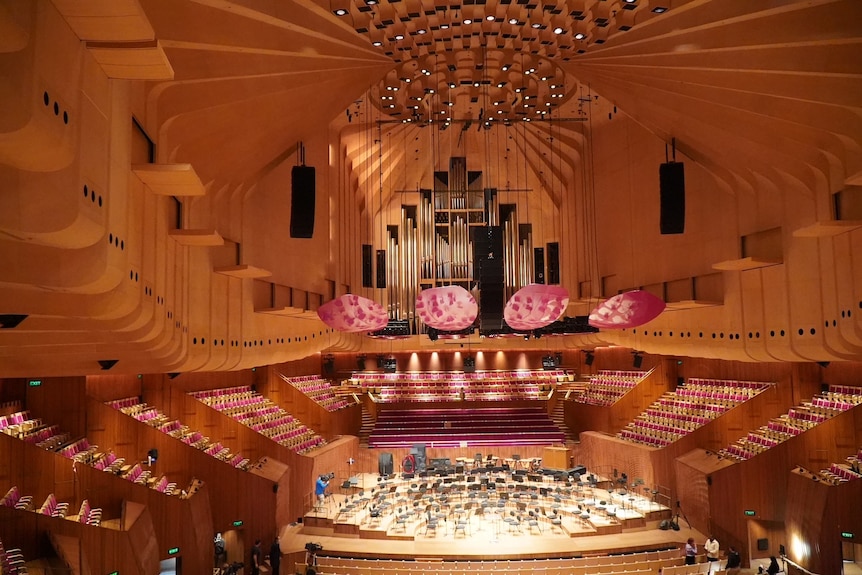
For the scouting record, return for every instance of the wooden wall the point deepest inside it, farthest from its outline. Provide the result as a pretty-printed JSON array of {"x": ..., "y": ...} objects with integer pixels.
[
  {"x": 817, "y": 514},
  {"x": 102, "y": 550}
]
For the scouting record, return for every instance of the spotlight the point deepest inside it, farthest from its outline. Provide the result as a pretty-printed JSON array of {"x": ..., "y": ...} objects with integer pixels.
[
  {"x": 558, "y": 30},
  {"x": 433, "y": 334},
  {"x": 341, "y": 12}
]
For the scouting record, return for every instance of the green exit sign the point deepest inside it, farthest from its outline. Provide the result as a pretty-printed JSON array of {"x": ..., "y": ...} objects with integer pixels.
[
  {"x": 34, "y": 382},
  {"x": 846, "y": 535},
  {"x": 114, "y": 573},
  {"x": 750, "y": 512},
  {"x": 237, "y": 523},
  {"x": 173, "y": 550}
]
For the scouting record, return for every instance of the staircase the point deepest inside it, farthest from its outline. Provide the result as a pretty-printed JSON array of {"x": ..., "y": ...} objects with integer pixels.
[
  {"x": 559, "y": 418},
  {"x": 367, "y": 427}
]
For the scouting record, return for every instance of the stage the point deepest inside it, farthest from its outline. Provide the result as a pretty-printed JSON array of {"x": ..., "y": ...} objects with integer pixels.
[{"x": 496, "y": 515}]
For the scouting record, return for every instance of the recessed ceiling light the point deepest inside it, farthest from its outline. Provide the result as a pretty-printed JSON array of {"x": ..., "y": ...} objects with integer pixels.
[
  {"x": 467, "y": 21},
  {"x": 371, "y": 2},
  {"x": 505, "y": 67},
  {"x": 544, "y": 78},
  {"x": 536, "y": 25},
  {"x": 444, "y": 26},
  {"x": 501, "y": 84},
  {"x": 489, "y": 17},
  {"x": 528, "y": 72},
  {"x": 399, "y": 36},
  {"x": 558, "y": 30},
  {"x": 475, "y": 84},
  {"x": 430, "y": 90},
  {"x": 579, "y": 36},
  {"x": 341, "y": 12},
  {"x": 420, "y": 31},
  {"x": 630, "y": 1},
  {"x": 513, "y": 20},
  {"x": 659, "y": 9},
  {"x": 407, "y": 80},
  {"x": 377, "y": 43},
  {"x": 451, "y": 84}
]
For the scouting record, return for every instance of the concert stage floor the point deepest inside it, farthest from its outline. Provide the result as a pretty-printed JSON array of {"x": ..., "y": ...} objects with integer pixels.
[{"x": 482, "y": 523}]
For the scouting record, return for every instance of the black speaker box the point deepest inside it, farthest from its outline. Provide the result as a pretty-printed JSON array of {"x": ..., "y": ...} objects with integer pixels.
[
  {"x": 302, "y": 192},
  {"x": 488, "y": 271},
  {"x": 384, "y": 463},
  {"x": 672, "y": 190},
  {"x": 381, "y": 269},
  {"x": 554, "y": 263},
  {"x": 539, "y": 265},
  {"x": 367, "y": 256}
]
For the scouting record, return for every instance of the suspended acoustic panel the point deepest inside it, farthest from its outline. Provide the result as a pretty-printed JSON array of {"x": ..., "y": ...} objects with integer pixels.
[
  {"x": 353, "y": 313},
  {"x": 535, "y": 306},
  {"x": 449, "y": 308},
  {"x": 629, "y": 309}
]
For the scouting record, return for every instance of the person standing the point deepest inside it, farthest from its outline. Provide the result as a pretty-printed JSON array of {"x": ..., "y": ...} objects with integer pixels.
[
  {"x": 320, "y": 488},
  {"x": 711, "y": 547},
  {"x": 256, "y": 558},
  {"x": 773, "y": 566},
  {"x": 733, "y": 561},
  {"x": 275, "y": 556},
  {"x": 219, "y": 547},
  {"x": 690, "y": 551}
]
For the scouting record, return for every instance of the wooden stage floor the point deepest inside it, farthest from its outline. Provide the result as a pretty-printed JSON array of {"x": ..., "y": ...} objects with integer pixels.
[{"x": 592, "y": 521}]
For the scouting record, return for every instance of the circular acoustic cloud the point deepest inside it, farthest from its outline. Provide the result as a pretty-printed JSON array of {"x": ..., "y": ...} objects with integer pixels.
[
  {"x": 535, "y": 306},
  {"x": 353, "y": 313},
  {"x": 448, "y": 308},
  {"x": 629, "y": 309}
]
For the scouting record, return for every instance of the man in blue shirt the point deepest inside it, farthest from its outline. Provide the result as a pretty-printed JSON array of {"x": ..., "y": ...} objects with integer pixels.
[{"x": 320, "y": 487}]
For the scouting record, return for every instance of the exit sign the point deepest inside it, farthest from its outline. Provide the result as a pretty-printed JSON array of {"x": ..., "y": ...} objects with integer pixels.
[
  {"x": 846, "y": 535},
  {"x": 750, "y": 512},
  {"x": 173, "y": 550},
  {"x": 34, "y": 382},
  {"x": 237, "y": 523}
]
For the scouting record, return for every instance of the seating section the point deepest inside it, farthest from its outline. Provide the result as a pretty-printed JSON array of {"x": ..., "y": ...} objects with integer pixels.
[
  {"x": 262, "y": 415},
  {"x": 14, "y": 499},
  {"x": 54, "y": 508},
  {"x": 607, "y": 387},
  {"x": 678, "y": 413},
  {"x": 456, "y": 386},
  {"x": 132, "y": 406},
  {"x": 12, "y": 561},
  {"x": 88, "y": 515},
  {"x": 317, "y": 389},
  {"x": 643, "y": 563},
  {"x": 797, "y": 420},
  {"x": 452, "y": 427}
]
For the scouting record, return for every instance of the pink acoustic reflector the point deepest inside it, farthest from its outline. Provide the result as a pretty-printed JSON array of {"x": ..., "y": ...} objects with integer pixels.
[
  {"x": 353, "y": 313},
  {"x": 629, "y": 309},
  {"x": 449, "y": 308},
  {"x": 535, "y": 306}
]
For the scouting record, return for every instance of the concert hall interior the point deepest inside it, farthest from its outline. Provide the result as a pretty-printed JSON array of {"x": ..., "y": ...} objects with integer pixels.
[{"x": 539, "y": 287}]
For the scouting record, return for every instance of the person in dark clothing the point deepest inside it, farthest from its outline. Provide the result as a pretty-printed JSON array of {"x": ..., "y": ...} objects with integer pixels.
[
  {"x": 256, "y": 558},
  {"x": 733, "y": 561},
  {"x": 773, "y": 566},
  {"x": 275, "y": 556}
]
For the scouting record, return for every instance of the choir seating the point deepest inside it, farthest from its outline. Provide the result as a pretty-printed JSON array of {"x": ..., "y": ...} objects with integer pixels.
[
  {"x": 458, "y": 386},
  {"x": 318, "y": 389},
  {"x": 797, "y": 420},
  {"x": 678, "y": 413},
  {"x": 87, "y": 514},
  {"x": 262, "y": 415},
  {"x": 53, "y": 507},
  {"x": 454, "y": 427}
]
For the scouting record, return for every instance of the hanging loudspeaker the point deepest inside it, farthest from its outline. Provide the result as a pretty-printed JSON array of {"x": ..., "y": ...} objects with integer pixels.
[
  {"x": 672, "y": 192},
  {"x": 302, "y": 201}
]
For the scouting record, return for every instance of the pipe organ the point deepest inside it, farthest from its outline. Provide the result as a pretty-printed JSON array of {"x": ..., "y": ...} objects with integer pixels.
[{"x": 432, "y": 245}]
